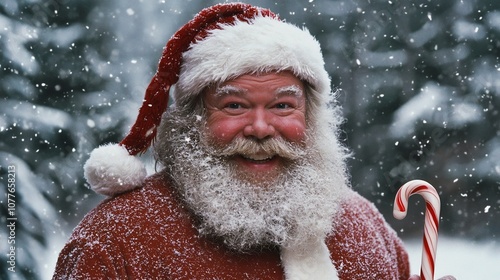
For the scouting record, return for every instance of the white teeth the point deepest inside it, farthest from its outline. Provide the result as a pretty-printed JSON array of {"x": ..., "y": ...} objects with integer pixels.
[{"x": 258, "y": 157}]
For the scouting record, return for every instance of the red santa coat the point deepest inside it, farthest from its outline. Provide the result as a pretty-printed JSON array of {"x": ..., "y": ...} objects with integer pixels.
[{"x": 148, "y": 234}]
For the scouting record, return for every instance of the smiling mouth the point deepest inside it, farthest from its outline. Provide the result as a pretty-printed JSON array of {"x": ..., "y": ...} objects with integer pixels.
[{"x": 258, "y": 158}]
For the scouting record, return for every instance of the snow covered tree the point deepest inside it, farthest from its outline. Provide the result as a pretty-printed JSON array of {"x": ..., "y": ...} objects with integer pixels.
[
  {"x": 53, "y": 75},
  {"x": 419, "y": 88},
  {"x": 418, "y": 81}
]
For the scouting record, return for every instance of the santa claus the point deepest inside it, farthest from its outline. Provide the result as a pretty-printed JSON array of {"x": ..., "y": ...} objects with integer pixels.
[{"x": 253, "y": 181}]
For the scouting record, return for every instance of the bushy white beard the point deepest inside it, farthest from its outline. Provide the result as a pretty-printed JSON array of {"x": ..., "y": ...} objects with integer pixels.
[{"x": 298, "y": 205}]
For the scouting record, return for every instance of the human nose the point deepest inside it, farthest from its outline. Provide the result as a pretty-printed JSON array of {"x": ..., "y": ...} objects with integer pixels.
[{"x": 260, "y": 125}]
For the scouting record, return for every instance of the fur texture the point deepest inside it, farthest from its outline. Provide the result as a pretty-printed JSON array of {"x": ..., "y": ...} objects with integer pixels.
[
  {"x": 264, "y": 45},
  {"x": 310, "y": 260},
  {"x": 111, "y": 170}
]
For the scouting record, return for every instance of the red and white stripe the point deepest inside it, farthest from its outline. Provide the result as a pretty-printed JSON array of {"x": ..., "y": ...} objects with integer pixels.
[{"x": 432, "y": 209}]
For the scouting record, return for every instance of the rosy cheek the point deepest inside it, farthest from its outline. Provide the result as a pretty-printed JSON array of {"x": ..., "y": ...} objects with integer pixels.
[
  {"x": 299, "y": 134},
  {"x": 294, "y": 131},
  {"x": 223, "y": 131}
]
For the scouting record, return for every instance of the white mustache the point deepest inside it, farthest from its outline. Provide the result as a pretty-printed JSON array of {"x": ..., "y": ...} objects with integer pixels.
[{"x": 263, "y": 148}]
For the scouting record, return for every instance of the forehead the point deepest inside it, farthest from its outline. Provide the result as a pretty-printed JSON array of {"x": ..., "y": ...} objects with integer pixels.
[{"x": 278, "y": 83}]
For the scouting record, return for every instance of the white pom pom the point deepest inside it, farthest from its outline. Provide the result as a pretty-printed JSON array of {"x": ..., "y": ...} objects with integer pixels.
[{"x": 111, "y": 170}]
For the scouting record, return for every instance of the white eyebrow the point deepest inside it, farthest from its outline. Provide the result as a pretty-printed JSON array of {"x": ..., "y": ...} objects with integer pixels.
[
  {"x": 229, "y": 89},
  {"x": 290, "y": 90},
  {"x": 286, "y": 90}
]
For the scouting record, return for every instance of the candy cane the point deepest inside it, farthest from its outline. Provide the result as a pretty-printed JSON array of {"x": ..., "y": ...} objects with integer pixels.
[{"x": 432, "y": 208}]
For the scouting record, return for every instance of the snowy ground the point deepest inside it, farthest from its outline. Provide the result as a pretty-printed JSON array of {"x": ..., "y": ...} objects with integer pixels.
[{"x": 464, "y": 259}]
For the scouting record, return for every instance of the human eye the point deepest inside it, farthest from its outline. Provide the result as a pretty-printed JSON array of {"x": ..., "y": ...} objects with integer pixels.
[
  {"x": 283, "y": 106},
  {"x": 233, "y": 106},
  {"x": 286, "y": 105}
]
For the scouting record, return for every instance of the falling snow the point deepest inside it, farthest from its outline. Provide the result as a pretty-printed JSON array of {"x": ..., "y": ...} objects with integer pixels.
[{"x": 419, "y": 86}]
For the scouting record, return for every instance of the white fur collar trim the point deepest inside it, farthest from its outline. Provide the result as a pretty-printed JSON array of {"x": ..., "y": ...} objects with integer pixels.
[{"x": 310, "y": 260}]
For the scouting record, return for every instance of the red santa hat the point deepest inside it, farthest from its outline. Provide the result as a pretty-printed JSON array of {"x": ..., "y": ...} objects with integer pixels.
[{"x": 220, "y": 43}]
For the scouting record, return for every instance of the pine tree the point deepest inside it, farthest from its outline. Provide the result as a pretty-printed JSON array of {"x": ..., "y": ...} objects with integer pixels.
[
  {"x": 418, "y": 84},
  {"x": 417, "y": 80},
  {"x": 51, "y": 81}
]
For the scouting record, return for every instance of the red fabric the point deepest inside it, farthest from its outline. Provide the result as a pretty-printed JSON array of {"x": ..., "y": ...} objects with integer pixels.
[
  {"x": 156, "y": 97},
  {"x": 147, "y": 234}
]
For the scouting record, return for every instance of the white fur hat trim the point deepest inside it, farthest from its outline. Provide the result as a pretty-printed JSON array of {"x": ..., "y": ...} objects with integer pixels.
[
  {"x": 111, "y": 170},
  {"x": 308, "y": 261},
  {"x": 241, "y": 48}
]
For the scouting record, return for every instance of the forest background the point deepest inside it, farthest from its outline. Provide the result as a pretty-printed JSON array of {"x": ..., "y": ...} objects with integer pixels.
[{"x": 419, "y": 83}]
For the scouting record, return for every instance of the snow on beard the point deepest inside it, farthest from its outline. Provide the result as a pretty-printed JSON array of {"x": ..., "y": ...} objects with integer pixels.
[{"x": 295, "y": 206}]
